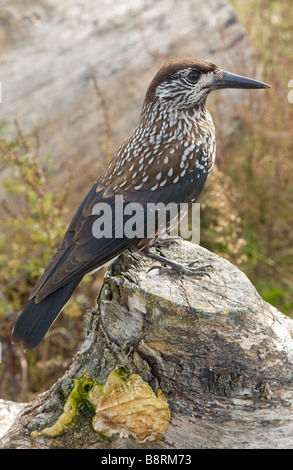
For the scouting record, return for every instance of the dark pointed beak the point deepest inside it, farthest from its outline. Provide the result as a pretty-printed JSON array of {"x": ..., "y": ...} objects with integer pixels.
[{"x": 231, "y": 80}]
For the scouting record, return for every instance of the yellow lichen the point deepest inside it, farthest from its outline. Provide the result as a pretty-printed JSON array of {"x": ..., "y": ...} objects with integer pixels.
[{"x": 77, "y": 396}]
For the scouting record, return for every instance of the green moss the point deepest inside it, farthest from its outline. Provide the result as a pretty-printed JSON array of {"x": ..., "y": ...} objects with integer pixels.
[{"x": 77, "y": 399}]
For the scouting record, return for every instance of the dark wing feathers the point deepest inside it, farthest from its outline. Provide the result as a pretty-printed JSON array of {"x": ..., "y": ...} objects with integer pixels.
[
  {"x": 66, "y": 245},
  {"x": 80, "y": 252}
]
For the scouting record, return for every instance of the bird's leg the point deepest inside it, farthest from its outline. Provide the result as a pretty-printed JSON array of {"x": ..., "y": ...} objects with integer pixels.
[
  {"x": 165, "y": 242},
  {"x": 170, "y": 266}
]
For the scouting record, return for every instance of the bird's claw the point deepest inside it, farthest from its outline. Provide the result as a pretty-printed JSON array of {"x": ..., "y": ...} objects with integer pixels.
[{"x": 188, "y": 270}]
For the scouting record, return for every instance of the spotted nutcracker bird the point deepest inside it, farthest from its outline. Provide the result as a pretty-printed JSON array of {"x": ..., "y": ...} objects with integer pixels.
[{"x": 167, "y": 158}]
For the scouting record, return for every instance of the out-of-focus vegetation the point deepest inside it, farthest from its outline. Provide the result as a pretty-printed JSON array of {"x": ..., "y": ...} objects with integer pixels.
[
  {"x": 247, "y": 208},
  {"x": 255, "y": 183},
  {"x": 34, "y": 222}
]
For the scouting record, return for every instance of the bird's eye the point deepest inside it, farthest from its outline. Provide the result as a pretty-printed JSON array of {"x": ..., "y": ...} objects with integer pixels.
[{"x": 193, "y": 76}]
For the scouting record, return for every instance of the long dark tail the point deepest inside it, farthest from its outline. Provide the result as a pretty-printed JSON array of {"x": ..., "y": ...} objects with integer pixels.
[{"x": 36, "y": 318}]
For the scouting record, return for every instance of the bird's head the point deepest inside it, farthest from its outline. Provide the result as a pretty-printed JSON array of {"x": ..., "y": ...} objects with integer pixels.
[{"x": 186, "y": 83}]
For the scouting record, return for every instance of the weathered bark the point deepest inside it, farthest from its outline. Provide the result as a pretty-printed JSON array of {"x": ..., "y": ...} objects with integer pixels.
[
  {"x": 221, "y": 356},
  {"x": 9, "y": 411}
]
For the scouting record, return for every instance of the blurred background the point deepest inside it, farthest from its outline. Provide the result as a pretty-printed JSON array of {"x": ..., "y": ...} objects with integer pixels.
[{"x": 73, "y": 78}]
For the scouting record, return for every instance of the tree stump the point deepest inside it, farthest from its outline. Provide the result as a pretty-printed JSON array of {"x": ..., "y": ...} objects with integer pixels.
[{"x": 171, "y": 362}]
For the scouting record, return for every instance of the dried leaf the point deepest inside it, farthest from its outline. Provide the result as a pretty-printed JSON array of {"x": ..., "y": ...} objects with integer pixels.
[{"x": 129, "y": 407}]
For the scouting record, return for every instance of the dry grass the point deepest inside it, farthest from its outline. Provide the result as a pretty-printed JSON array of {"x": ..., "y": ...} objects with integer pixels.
[{"x": 258, "y": 167}]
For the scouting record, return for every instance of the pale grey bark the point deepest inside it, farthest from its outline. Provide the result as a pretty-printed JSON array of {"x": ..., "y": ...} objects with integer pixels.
[
  {"x": 9, "y": 411},
  {"x": 221, "y": 356}
]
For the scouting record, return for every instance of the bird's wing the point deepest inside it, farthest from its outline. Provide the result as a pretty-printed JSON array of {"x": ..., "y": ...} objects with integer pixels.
[
  {"x": 80, "y": 251},
  {"x": 66, "y": 245}
]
